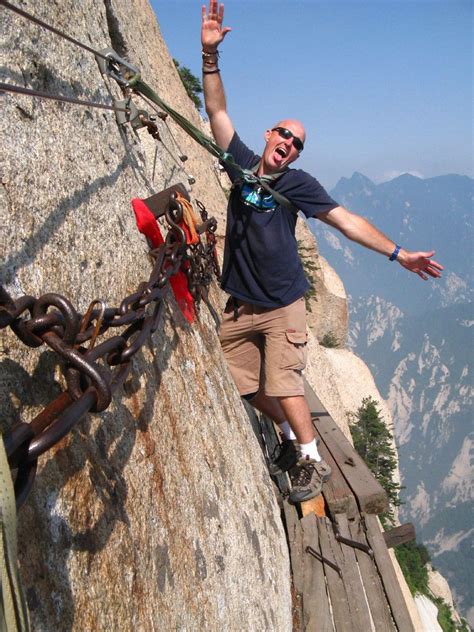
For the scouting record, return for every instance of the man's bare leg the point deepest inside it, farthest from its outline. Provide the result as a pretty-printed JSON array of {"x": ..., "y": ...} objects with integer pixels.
[{"x": 293, "y": 409}]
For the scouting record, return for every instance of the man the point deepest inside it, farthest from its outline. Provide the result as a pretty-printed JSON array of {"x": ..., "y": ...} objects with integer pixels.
[{"x": 263, "y": 331}]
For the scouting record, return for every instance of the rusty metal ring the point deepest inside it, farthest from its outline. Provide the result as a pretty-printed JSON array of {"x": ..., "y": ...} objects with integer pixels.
[
  {"x": 10, "y": 310},
  {"x": 71, "y": 325},
  {"x": 65, "y": 422},
  {"x": 25, "y": 478}
]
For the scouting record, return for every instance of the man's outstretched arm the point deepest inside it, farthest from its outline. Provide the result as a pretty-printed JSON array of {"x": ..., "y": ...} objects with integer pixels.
[
  {"x": 212, "y": 34},
  {"x": 361, "y": 231}
]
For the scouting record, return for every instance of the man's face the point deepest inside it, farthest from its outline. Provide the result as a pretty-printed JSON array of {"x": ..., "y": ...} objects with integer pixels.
[{"x": 279, "y": 152}]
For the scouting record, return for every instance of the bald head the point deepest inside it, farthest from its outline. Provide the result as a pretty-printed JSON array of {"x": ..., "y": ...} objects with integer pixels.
[{"x": 294, "y": 126}]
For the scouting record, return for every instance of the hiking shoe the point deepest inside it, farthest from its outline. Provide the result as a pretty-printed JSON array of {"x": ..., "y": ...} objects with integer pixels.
[
  {"x": 284, "y": 456},
  {"x": 307, "y": 478}
]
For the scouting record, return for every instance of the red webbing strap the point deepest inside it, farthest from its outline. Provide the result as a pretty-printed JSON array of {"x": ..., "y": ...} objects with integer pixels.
[{"x": 148, "y": 226}]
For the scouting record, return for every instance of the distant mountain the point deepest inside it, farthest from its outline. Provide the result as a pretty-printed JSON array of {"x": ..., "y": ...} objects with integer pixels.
[
  {"x": 435, "y": 213},
  {"x": 418, "y": 340}
]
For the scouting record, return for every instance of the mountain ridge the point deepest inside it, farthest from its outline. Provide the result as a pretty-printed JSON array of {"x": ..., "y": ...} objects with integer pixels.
[{"x": 417, "y": 339}]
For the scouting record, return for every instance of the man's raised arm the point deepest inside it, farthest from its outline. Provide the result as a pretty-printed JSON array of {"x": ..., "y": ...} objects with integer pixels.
[{"x": 212, "y": 35}]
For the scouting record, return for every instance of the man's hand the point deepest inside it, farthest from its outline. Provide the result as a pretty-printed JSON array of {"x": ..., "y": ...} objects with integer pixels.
[
  {"x": 212, "y": 32},
  {"x": 420, "y": 263}
]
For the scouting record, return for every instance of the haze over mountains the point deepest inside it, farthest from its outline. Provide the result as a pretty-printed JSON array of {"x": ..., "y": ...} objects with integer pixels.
[{"x": 417, "y": 337}]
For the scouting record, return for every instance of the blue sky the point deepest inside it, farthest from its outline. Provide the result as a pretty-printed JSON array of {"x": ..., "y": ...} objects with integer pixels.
[{"x": 383, "y": 87}]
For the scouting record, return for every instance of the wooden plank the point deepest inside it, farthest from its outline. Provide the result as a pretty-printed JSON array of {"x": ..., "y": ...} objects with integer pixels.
[
  {"x": 399, "y": 535},
  {"x": 316, "y": 613},
  {"x": 387, "y": 573},
  {"x": 370, "y": 495},
  {"x": 336, "y": 491},
  {"x": 295, "y": 544},
  {"x": 314, "y": 506},
  {"x": 315, "y": 405},
  {"x": 336, "y": 588},
  {"x": 376, "y": 597},
  {"x": 358, "y": 604}
]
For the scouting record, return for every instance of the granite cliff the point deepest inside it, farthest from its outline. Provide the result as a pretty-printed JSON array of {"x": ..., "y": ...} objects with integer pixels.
[{"x": 159, "y": 512}]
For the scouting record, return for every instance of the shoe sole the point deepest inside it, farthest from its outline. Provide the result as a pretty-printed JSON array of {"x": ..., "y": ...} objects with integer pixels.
[{"x": 297, "y": 498}]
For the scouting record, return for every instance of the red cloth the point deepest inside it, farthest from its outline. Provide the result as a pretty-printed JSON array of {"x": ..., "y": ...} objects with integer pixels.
[{"x": 148, "y": 226}]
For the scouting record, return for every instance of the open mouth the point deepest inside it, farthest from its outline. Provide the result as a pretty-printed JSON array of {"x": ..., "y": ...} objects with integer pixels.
[{"x": 281, "y": 151}]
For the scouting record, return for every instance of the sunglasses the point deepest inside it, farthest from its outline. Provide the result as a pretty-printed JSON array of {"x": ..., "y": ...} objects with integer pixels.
[{"x": 286, "y": 134}]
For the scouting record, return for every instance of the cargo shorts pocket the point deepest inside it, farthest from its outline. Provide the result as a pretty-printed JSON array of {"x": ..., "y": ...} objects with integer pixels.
[{"x": 295, "y": 353}]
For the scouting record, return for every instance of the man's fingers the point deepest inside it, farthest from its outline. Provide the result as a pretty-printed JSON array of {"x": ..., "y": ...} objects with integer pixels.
[
  {"x": 221, "y": 13},
  {"x": 213, "y": 9},
  {"x": 435, "y": 264}
]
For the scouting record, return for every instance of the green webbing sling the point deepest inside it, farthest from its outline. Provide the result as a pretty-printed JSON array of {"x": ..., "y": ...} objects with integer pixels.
[
  {"x": 13, "y": 610},
  {"x": 247, "y": 175}
]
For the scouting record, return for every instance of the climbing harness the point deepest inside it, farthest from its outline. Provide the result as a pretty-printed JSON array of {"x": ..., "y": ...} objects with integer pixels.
[{"x": 253, "y": 193}]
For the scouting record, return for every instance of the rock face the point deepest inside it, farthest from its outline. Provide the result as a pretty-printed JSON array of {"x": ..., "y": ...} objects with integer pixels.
[
  {"x": 328, "y": 314},
  {"x": 157, "y": 514}
]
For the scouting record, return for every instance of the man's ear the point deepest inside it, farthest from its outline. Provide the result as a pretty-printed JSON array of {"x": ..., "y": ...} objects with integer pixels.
[{"x": 267, "y": 135}]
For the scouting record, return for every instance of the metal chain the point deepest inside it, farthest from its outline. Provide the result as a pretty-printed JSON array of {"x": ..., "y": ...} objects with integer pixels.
[{"x": 94, "y": 372}]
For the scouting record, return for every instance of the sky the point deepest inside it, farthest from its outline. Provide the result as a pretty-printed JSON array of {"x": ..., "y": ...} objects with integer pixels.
[{"x": 383, "y": 87}]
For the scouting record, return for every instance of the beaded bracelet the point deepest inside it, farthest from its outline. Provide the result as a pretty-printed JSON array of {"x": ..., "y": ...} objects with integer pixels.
[{"x": 206, "y": 54}]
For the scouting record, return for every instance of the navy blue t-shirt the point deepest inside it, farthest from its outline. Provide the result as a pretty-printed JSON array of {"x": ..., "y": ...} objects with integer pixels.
[{"x": 261, "y": 261}]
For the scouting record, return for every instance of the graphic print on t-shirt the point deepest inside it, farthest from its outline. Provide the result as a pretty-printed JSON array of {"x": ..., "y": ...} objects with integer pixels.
[{"x": 257, "y": 198}]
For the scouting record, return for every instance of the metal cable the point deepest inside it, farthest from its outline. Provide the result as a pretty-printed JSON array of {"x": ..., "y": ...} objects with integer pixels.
[
  {"x": 143, "y": 89},
  {"x": 155, "y": 109},
  {"x": 32, "y": 18},
  {"x": 6, "y": 87}
]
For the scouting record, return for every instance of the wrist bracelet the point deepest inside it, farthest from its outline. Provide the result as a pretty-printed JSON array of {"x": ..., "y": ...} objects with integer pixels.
[
  {"x": 394, "y": 254},
  {"x": 210, "y": 72},
  {"x": 206, "y": 54}
]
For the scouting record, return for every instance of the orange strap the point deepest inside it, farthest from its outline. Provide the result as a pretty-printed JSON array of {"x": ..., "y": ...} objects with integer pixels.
[{"x": 189, "y": 220}]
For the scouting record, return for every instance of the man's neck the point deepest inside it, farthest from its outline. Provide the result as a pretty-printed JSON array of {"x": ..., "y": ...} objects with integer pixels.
[{"x": 262, "y": 171}]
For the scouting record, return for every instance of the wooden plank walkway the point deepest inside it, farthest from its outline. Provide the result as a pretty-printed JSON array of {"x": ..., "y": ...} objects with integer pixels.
[
  {"x": 343, "y": 575},
  {"x": 373, "y": 587},
  {"x": 387, "y": 573},
  {"x": 369, "y": 494}
]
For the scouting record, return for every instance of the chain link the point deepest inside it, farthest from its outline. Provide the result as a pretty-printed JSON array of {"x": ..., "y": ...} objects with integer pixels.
[{"x": 93, "y": 373}]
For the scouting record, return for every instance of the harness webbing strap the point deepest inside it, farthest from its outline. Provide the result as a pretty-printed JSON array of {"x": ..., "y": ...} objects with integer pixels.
[
  {"x": 247, "y": 175},
  {"x": 13, "y": 610}
]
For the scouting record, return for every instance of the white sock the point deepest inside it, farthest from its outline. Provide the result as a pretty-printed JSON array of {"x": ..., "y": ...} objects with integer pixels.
[
  {"x": 285, "y": 428},
  {"x": 310, "y": 449}
]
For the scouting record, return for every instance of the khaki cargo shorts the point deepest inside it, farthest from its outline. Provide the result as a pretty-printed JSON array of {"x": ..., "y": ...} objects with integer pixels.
[{"x": 266, "y": 347}]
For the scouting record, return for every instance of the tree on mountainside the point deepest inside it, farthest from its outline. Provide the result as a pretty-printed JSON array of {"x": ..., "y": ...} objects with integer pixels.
[
  {"x": 372, "y": 441},
  {"x": 191, "y": 84}
]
